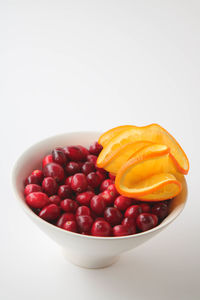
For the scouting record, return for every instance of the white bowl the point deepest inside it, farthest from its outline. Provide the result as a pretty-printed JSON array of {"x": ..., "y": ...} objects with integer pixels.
[{"x": 85, "y": 251}]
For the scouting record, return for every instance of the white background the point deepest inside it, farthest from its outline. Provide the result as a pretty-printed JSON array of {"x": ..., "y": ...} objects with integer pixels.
[{"x": 92, "y": 65}]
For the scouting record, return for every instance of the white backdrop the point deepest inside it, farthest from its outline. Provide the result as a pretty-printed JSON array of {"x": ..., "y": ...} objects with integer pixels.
[{"x": 92, "y": 65}]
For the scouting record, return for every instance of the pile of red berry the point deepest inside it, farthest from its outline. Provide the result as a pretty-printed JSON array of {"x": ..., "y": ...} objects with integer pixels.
[{"x": 72, "y": 193}]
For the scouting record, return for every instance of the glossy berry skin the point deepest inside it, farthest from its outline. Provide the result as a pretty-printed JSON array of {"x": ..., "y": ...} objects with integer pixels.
[
  {"x": 160, "y": 209},
  {"x": 105, "y": 184},
  {"x": 59, "y": 156},
  {"x": 72, "y": 168},
  {"x": 108, "y": 197},
  {"x": 113, "y": 190},
  {"x": 55, "y": 199},
  {"x": 37, "y": 200},
  {"x": 93, "y": 180},
  {"x": 30, "y": 188},
  {"x": 49, "y": 186},
  {"x": 68, "y": 205},
  {"x": 70, "y": 226},
  {"x": 68, "y": 180},
  {"x": 84, "y": 198},
  {"x": 130, "y": 223},
  {"x": 92, "y": 158},
  {"x": 32, "y": 179},
  {"x": 54, "y": 170},
  {"x": 84, "y": 223},
  {"x": 122, "y": 203},
  {"x": 133, "y": 211},
  {"x": 95, "y": 148},
  {"x": 121, "y": 230},
  {"x": 74, "y": 153},
  {"x": 84, "y": 151},
  {"x": 113, "y": 216},
  {"x": 101, "y": 176},
  {"x": 88, "y": 167},
  {"x": 97, "y": 204},
  {"x": 101, "y": 228},
  {"x": 83, "y": 211},
  {"x": 79, "y": 183},
  {"x": 50, "y": 212},
  {"x": 46, "y": 160},
  {"x": 39, "y": 174},
  {"x": 112, "y": 176},
  {"x": 64, "y": 218},
  {"x": 146, "y": 221},
  {"x": 64, "y": 191},
  {"x": 146, "y": 208}
]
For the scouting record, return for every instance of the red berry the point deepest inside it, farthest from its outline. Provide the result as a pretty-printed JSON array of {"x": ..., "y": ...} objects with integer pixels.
[
  {"x": 37, "y": 200},
  {"x": 113, "y": 216},
  {"x": 59, "y": 156},
  {"x": 84, "y": 223},
  {"x": 39, "y": 174},
  {"x": 72, "y": 168},
  {"x": 70, "y": 226},
  {"x": 30, "y": 188},
  {"x": 83, "y": 211},
  {"x": 55, "y": 199},
  {"x": 64, "y": 191},
  {"x": 54, "y": 170},
  {"x": 64, "y": 218},
  {"x": 121, "y": 230},
  {"x": 68, "y": 180},
  {"x": 50, "y": 212},
  {"x": 101, "y": 176},
  {"x": 95, "y": 148},
  {"x": 46, "y": 160},
  {"x": 130, "y": 223},
  {"x": 97, "y": 204},
  {"x": 133, "y": 211},
  {"x": 146, "y": 221},
  {"x": 93, "y": 180},
  {"x": 92, "y": 158},
  {"x": 79, "y": 183},
  {"x": 101, "y": 228},
  {"x": 103, "y": 172},
  {"x": 160, "y": 209},
  {"x": 49, "y": 186},
  {"x": 113, "y": 190},
  {"x": 122, "y": 203},
  {"x": 84, "y": 151},
  {"x": 84, "y": 198},
  {"x": 88, "y": 167},
  {"x": 112, "y": 176},
  {"x": 68, "y": 205},
  {"x": 146, "y": 208},
  {"x": 108, "y": 197},
  {"x": 105, "y": 184},
  {"x": 32, "y": 179},
  {"x": 74, "y": 153}
]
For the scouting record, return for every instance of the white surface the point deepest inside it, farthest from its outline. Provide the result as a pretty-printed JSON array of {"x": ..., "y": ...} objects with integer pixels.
[{"x": 91, "y": 65}]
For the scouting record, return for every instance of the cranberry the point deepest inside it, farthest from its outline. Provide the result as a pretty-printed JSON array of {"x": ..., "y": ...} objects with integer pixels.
[
  {"x": 88, "y": 167},
  {"x": 121, "y": 230},
  {"x": 72, "y": 168},
  {"x": 64, "y": 191},
  {"x": 130, "y": 223},
  {"x": 46, "y": 160},
  {"x": 68, "y": 205},
  {"x": 79, "y": 183},
  {"x": 101, "y": 228},
  {"x": 68, "y": 180},
  {"x": 49, "y": 185},
  {"x": 39, "y": 174},
  {"x": 70, "y": 226},
  {"x": 103, "y": 172},
  {"x": 113, "y": 216},
  {"x": 101, "y": 176},
  {"x": 55, "y": 199},
  {"x": 112, "y": 176},
  {"x": 100, "y": 219},
  {"x": 92, "y": 158},
  {"x": 84, "y": 151},
  {"x": 97, "y": 204},
  {"x": 59, "y": 156},
  {"x": 83, "y": 211},
  {"x": 84, "y": 223},
  {"x": 54, "y": 170},
  {"x": 50, "y": 212},
  {"x": 37, "y": 200},
  {"x": 93, "y": 180},
  {"x": 113, "y": 190},
  {"x": 30, "y": 188},
  {"x": 160, "y": 209},
  {"x": 146, "y": 221},
  {"x": 133, "y": 211},
  {"x": 108, "y": 197},
  {"x": 145, "y": 207},
  {"x": 122, "y": 203},
  {"x": 95, "y": 148},
  {"x": 74, "y": 153},
  {"x": 64, "y": 218},
  {"x": 84, "y": 198},
  {"x": 105, "y": 184},
  {"x": 32, "y": 179}
]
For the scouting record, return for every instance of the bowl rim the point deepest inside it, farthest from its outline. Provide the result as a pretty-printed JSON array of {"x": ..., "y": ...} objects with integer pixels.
[{"x": 28, "y": 210}]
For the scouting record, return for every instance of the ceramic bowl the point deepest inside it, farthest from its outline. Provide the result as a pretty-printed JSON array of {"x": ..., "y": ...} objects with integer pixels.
[{"x": 85, "y": 251}]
